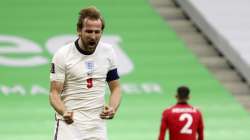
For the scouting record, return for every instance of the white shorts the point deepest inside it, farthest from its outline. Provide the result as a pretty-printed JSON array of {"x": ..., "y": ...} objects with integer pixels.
[{"x": 80, "y": 131}]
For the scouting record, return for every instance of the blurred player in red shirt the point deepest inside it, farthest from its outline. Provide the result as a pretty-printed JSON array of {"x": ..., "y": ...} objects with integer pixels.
[{"x": 183, "y": 121}]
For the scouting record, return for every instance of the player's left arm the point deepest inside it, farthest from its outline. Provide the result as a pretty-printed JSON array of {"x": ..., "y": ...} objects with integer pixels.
[
  {"x": 115, "y": 96},
  {"x": 114, "y": 100},
  {"x": 200, "y": 130},
  {"x": 114, "y": 86}
]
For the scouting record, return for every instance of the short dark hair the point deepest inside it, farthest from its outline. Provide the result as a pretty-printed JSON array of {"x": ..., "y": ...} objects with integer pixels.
[
  {"x": 91, "y": 13},
  {"x": 183, "y": 92}
]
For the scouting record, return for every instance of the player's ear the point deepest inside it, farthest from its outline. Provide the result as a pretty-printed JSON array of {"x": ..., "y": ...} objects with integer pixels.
[
  {"x": 78, "y": 33},
  {"x": 176, "y": 96}
]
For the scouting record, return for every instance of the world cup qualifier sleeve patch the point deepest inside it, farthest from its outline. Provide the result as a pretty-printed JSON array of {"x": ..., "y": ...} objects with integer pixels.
[{"x": 52, "y": 69}]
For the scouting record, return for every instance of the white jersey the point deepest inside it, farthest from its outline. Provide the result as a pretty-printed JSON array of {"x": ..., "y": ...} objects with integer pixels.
[{"x": 84, "y": 78}]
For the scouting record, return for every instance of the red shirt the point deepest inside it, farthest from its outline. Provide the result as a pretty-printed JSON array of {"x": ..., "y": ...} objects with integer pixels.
[{"x": 183, "y": 121}]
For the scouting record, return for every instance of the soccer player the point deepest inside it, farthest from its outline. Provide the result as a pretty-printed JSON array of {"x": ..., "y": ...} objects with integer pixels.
[
  {"x": 183, "y": 121},
  {"x": 79, "y": 73}
]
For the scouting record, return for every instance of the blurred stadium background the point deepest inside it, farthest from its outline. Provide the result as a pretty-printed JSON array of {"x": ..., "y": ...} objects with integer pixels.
[{"x": 161, "y": 45}]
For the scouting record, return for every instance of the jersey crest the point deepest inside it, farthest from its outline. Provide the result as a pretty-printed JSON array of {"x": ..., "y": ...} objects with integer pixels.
[{"x": 90, "y": 67}]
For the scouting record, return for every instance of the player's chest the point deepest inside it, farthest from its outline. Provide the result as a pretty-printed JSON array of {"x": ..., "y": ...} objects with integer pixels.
[{"x": 88, "y": 67}]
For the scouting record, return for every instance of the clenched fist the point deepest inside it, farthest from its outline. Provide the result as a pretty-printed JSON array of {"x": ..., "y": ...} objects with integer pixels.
[
  {"x": 107, "y": 113},
  {"x": 68, "y": 117}
]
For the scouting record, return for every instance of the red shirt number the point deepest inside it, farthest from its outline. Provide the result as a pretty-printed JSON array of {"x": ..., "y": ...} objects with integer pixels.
[{"x": 89, "y": 83}]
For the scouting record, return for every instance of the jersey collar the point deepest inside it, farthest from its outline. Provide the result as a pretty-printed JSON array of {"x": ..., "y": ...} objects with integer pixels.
[
  {"x": 81, "y": 50},
  {"x": 182, "y": 103}
]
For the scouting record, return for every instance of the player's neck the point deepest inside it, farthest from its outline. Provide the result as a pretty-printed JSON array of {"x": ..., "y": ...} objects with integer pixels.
[
  {"x": 182, "y": 102},
  {"x": 80, "y": 47}
]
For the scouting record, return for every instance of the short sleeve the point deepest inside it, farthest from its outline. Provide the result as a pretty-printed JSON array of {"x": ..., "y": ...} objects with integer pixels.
[
  {"x": 57, "y": 72},
  {"x": 112, "y": 70},
  {"x": 112, "y": 59}
]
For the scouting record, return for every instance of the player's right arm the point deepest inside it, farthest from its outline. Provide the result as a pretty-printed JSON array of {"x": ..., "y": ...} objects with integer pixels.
[
  {"x": 56, "y": 102},
  {"x": 57, "y": 77},
  {"x": 163, "y": 127},
  {"x": 54, "y": 97}
]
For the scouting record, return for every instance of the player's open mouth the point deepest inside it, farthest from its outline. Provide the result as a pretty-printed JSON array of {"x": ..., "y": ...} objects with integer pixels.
[{"x": 92, "y": 43}]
